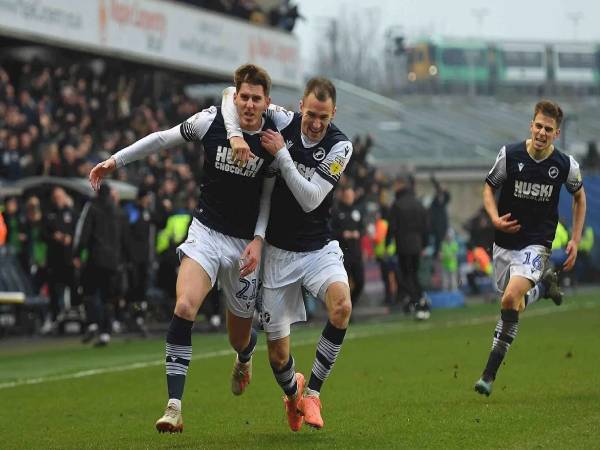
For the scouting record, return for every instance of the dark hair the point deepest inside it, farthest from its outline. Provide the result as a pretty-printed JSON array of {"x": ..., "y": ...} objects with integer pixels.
[
  {"x": 322, "y": 88},
  {"x": 550, "y": 109},
  {"x": 252, "y": 74}
]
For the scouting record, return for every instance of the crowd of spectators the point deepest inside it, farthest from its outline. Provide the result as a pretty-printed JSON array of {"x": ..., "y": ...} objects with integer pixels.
[{"x": 60, "y": 119}]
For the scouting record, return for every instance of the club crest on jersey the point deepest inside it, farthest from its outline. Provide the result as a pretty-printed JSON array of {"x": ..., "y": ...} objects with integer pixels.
[
  {"x": 319, "y": 154},
  {"x": 553, "y": 172},
  {"x": 533, "y": 191},
  {"x": 224, "y": 161}
]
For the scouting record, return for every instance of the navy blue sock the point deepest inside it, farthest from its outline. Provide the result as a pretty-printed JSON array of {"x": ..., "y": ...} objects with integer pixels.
[
  {"x": 504, "y": 335},
  {"x": 286, "y": 377},
  {"x": 328, "y": 348},
  {"x": 245, "y": 355},
  {"x": 179, "y": 355}
]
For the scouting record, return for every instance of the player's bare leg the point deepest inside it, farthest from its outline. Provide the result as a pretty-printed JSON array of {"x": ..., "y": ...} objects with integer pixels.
[
  {"x": 339, "y": 308},
  {"x": 292, "y": 383},
  {"x": 242, "y": 338},
  {"x": 193, "y": 284},
  {"x": 513, "y": 301}
]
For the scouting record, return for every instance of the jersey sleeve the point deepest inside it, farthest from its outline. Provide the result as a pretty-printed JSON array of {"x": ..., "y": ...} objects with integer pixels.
[
  {"x": 264, "y": 209},
  {"x": 230, "y": 115},
  {"x": 574, "y": 180},
  {"x": 497, "y": 175},
  {"x": 147, "y": 145},
  {"x": 273, "y": 170},
  {"x": 194, "y": 128},
  {"x": 334, "y": 164},
  {"x": 280, "y": 116}
]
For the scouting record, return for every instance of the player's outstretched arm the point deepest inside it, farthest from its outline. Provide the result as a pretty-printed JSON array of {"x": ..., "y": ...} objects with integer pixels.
[
  {"x": 138, "y": 150},
  {"x": 100, "y": 171},
  {"x": 579, "y": 209}
]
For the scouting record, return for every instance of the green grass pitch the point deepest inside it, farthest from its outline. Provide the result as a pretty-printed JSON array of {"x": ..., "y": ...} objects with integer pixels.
[{"x": 396, "y": 384}]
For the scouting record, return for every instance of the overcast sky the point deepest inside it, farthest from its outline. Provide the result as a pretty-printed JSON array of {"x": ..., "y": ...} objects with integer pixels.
[{"x": 551, "y": 20}]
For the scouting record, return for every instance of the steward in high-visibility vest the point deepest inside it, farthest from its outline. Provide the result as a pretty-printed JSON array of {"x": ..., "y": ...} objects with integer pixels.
[
  {"x": 174, "y": 232},
  {"x": 561, "y": 237},
  {"x": 380, "y": 250},
  {"x": 587, "y": 240}
]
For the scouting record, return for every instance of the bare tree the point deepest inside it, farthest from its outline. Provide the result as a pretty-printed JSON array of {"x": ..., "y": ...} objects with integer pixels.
[{"x": 354, "y": 51}]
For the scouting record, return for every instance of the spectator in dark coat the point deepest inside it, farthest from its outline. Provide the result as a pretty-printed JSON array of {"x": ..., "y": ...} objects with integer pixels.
[
  {"x": 58, "y": 234},
  {"x": 99, "y": 231},
  {"x": 348, "y": 227},
  {"x": 438, "y": 213},
  {"x": 142, "y": 223},
  {"x": 408, "y": 225}
]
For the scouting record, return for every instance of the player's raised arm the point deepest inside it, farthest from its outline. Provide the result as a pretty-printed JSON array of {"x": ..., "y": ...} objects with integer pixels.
[
  {"x": 241, "y": 150},
  {"x": 280, "y": 116},
  {"x": 308, "y": 193},
  {"x": 193, "y": 128}
]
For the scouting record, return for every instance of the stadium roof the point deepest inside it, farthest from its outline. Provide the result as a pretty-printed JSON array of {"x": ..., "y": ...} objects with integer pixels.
[{"x": 441, "y": 131}]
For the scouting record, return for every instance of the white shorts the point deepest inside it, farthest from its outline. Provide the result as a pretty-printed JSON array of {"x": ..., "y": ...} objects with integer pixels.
[
  {"x": 529, "y": 262},
  {"x": 219, "y": 255},
  {"x": 284, "y": 275}
]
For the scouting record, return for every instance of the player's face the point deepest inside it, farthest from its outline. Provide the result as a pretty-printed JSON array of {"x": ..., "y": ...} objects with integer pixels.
[
  {"x": 543, "y": 132},
  {"x": 251, "y": 102},
  {"x": 316, "y": 116}
]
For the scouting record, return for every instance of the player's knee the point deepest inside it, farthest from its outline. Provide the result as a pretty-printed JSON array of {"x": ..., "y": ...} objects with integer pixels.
[
  {"x": 185, "y": 308},
  {"x": 340, "y": 311},
  {"x": 239, "y": 343},
  {"x": 278, "y": 358},
  {"x": 510, "y": 300},
  {"x": 345, "y": 308}
]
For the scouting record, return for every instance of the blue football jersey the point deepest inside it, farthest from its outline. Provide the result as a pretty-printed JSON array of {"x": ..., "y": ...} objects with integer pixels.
[
  {"x": 230, "y": 195},
  {"x": 290, "y": 228},
  {"x": 530, "y": 190}
]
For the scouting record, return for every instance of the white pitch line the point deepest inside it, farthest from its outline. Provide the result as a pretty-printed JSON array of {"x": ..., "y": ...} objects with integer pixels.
[{"x": 384, "y": 329}]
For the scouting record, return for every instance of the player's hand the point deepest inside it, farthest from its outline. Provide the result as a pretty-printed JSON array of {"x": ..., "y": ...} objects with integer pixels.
[
  {"x": 241, "y": 150},
  {"x": 571, "y": 256},
  {"x": 503, "y": 223},
  {"x": 101, "y": 170},
  {"x": 250, "y": 257},
  {"x": 272, "y": 141}
]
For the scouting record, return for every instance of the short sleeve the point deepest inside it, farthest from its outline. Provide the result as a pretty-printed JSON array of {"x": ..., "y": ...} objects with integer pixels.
[
  {"x": 194, "y": 128},
  {"x": 280, "y": 116},
  {"x": 273, "y": 169},
  {"x": 497, "y": 175},
  {"x": 574, "y": 180}
]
